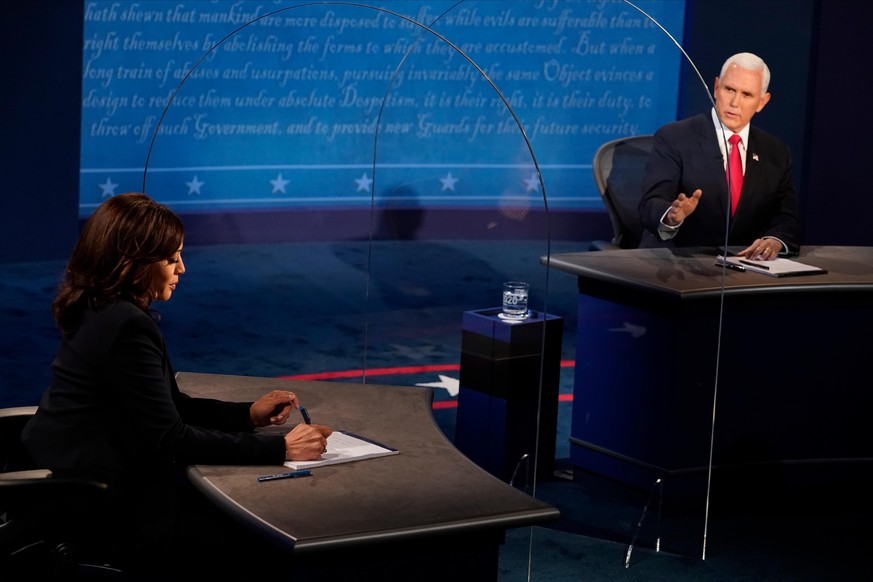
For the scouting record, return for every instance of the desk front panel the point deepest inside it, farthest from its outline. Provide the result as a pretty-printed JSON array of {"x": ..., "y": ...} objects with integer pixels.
[{"x": 784, "y": 370}]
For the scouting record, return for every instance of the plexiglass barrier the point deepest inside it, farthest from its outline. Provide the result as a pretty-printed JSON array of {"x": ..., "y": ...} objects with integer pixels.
[{"x": 379, "y": 171}]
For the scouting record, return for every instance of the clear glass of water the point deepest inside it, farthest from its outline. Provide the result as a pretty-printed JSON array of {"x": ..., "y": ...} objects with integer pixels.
[{"x": 515, "y": 294}]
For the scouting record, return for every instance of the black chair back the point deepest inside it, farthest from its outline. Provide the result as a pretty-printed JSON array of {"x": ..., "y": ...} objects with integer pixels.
[
  {"x": 619, "y": 167},
  {"x": 49, "y": 525}
]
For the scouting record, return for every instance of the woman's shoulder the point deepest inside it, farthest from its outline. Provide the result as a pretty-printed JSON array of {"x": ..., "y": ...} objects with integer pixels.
[
  {"x": 117, "y": 315},
  {"x": 105, "y": 327}
]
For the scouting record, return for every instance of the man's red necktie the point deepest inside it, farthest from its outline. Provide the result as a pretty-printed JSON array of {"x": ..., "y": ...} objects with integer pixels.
[{"x": 735, "y": 172}]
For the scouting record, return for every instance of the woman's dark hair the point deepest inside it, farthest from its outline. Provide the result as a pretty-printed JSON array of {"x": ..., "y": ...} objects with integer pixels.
[{"x": 114, "y": 256}]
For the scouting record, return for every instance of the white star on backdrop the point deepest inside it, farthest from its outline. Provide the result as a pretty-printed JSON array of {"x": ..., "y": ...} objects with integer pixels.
[
  {"x": 364, "y": 182},
  {"x": 533, "y": 183},
  {"x": 194, "y": 186},
  {"x": 108, "y": 188},
  {"x": 449, "y": 182},
  {"x": 452, "y": 385},
  {"x": 279, "y": 184}
]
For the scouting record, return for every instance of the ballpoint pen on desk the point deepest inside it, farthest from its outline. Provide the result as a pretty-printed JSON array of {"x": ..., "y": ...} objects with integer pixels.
[
  {"x": 722, "y": 262},
  {"x": 305, "y": 415},
  {"x": 291, "y": 475},
  {"x": 731, "y": 266},
  {"x": 758, "y": 265}
]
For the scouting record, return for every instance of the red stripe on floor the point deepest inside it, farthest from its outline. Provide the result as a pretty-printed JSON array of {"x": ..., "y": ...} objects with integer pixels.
[
  {"x": 387, "y": 371},
  {"x": 437, "y": 405},
  {"x": 375, "y": 372}
]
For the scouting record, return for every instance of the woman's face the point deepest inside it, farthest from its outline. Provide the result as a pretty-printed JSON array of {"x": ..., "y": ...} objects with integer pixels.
[{"x": 166, "y": 276}]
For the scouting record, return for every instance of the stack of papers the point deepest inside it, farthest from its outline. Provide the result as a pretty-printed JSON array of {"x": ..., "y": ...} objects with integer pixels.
[
  {"x": 343, "y": 447},
  {"x": 774, "y": 268}
]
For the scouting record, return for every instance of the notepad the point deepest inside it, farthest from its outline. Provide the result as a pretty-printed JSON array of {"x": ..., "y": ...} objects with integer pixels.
[
  {"x": 344, "y": 447},
  {"x": 774, "y": 268}
]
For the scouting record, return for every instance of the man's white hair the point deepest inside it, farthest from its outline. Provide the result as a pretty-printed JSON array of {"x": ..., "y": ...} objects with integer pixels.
[{"x": 752, "y": 63}]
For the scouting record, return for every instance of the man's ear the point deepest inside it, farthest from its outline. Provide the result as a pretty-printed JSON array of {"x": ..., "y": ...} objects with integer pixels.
[{"x": 764, "y": 100}]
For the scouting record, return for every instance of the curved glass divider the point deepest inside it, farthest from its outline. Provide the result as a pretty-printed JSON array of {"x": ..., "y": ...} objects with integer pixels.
[
  {"x": 466, "y": 215},
  {"x": 382, "y": 157}
]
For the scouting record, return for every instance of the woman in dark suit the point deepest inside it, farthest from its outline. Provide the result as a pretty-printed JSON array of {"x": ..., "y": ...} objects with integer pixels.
[
  {"x": 685, "y": 198},
  {"x": 113, "y": 410}
]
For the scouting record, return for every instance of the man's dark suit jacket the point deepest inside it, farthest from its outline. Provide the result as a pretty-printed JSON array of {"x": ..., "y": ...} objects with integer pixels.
[
  {"x": 686, "y": 157},
  {"x": 114, "y": 412}
]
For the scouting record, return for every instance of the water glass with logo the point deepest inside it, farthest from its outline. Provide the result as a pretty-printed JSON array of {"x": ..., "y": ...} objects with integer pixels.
[{"x": 515, "y": 295}]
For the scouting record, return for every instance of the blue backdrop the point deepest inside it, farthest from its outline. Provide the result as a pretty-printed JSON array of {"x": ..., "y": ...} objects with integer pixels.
[{"x": 264, "y": 104}]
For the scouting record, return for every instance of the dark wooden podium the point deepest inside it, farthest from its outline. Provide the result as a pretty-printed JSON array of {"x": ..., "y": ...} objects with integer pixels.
[{"x": 675, "y": 353}]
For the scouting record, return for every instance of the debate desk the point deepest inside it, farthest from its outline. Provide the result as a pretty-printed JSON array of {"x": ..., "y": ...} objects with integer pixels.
[
  {"x": 427, "y": 513},
  {"x": 677, "y": 357}
]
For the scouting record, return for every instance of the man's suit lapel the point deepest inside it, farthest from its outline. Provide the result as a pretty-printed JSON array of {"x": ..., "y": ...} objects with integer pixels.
[
  {"x": 710, "y": 152},
  {"x": 754, "y": 166}
]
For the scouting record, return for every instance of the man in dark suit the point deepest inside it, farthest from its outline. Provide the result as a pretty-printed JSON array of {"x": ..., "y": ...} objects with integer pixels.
[{"x": 693, "y": 156}]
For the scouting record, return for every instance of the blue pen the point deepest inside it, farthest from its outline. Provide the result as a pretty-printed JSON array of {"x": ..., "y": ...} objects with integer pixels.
[
  {"x": 723, "y": 262},
  {"x": 305, "y": 415},
  {"x": 731, "y": 266},
  {"x": 291, "y": 475}
]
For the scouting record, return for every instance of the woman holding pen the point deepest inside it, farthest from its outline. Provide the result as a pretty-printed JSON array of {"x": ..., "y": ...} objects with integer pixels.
[{"x": 114, "y": 412}]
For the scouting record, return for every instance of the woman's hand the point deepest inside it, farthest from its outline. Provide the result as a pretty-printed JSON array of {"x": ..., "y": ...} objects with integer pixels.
[
  {"x": 273, "y": 408},
  {"x": 306, "y": 442}
]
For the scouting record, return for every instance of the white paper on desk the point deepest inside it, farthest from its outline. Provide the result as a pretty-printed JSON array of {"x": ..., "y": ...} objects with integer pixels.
[
  {"x": 343, "y": 447},
  {"x": 774, "y": 268}
]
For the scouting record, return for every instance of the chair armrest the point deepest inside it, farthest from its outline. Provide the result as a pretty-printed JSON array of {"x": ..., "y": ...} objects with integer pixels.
[
  {"x": 20, "y": 489},
  {"x": 28, "y": 474}
]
